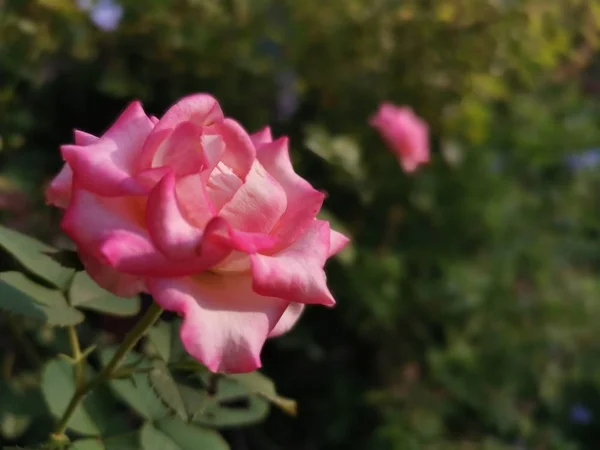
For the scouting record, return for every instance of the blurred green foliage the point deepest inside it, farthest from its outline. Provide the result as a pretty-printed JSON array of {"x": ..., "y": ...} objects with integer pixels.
[{"x": 469, "y": 300}]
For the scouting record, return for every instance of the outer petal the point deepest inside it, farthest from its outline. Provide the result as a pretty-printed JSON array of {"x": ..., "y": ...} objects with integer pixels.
[
  {"x": 261, "y": 137},
  {"x": 200, "y": 109},
  {"x": 83, "y": 138},
  {"x": 337, "y": 241},
  {"x": 258, "y": 204},
  {"x": 113, "y": 231},
  {"x": 225, "y": 324},
  {"x": 58, "y": 192},
  {"x": 288, "y": 319},
  {"x": 303, "y": 201},
  {"x": 296, "y": 273},
  {"x": 118, "y": 283},
  {"x": 107, "y": 165}
]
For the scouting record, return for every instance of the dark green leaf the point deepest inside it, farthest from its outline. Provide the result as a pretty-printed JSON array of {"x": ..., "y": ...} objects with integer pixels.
[
  {"x": 172, "y": 434},
  {"x": 165, "y": 338},
  {"x": 87, "y": 444},
  {"x": 97, "y": 415},
  {"x": 136, "y": 390},
  {"x": 21, "y": 296},
  {"x": 31, "y": 254},
  {"x": 85, "y": 293},
  {"x": 232, "y": 405},
  {"x": 183, "y": 399}
]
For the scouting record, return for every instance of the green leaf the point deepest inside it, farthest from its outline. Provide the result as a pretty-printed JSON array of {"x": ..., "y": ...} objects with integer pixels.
[
  {"x": 182, "y": 399},
  {"x": 232, "y": 405},
  {"x": 125, "y": 441},
  {"x": 259, "y": 384},
  {"x": 165, "y": 338},
  {"x": 172, "y": 434},
  {"x": 136, "y": 391},
  {"x": 31, "y": 254},
  {"x": 86, "y": 294},
  {"x": 20, "y": 295},
  {"x": 98, "y": 413},
  {"x": 87, "y": 444}
]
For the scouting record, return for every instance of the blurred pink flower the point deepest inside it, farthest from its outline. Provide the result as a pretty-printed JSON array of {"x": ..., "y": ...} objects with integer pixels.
[
  {"x": 211, "y": 221},
  {"x": 405, "y": 132}
]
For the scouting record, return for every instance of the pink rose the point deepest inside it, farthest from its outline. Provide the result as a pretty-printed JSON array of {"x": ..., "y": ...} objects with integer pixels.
[
  {"x": 212, "y": 222},
  {"x": 405, "y": 132}
]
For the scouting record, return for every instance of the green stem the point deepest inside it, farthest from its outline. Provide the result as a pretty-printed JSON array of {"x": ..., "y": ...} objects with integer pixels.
[
  {"x": 78, "y": 359},
  {"x": 132, "y": 338}
]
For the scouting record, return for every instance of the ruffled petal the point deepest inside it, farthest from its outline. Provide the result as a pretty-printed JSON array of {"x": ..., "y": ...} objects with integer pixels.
[
  {"x": 258, "y": 203},
  {"x": 303, "y": 201},
  {"x": 194, "y": 200},
  {"x": 171, "y": 232},
  {"x": 112, "y": 230},
  {"x": 200, "y": 109},
  {"x": 219, "y": 232},
  {"x": 261, "y": 137},
  {"x": 221, "y": 185},
  {"x": 296, "y": 273},
  {"x": 239, "y": 152},
  {"x": 225, "y": 324},
  {"x": 121, "y": 284},
  {"x": 182, "y": 150},
  {"x": 337, "y": 241},
  {"x": 288, "y": 319},
  {"x": 107, "y": 165}
]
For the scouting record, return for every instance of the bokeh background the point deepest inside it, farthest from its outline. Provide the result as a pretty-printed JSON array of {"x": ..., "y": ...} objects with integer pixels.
[{"x": 468, "y": 311}]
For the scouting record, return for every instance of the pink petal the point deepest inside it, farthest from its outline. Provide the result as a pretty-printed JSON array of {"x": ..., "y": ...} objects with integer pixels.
[
  {"x": 296, "y": 273},
  {"x": 172, "y": 234},
  {"x": 83, "y": 138},
  {"x": 200, "y": 109},
  {"x": 261, "y": 137},
  {"x": 221, "y": 185},
  {"x": 225, "y": 324},
  {"x": 58, "y": 192},
  {"x": 288, "y": 319},
  {"x": 239, "y": 152},
  {"x": 303, "y": 201},
  {"x": 118, "y": 283},
  {"x": 337, "y": 241},
  {"x": 112, "y": 230},
  {"x": 194, "y": 200},
  {"x": 220, "y": 233},
  {"x": 258, "y": 203},
  {"x": 182, "y": 150},
  {"x": 405, "y": 132},
  {"x": 107, "y": 165}
]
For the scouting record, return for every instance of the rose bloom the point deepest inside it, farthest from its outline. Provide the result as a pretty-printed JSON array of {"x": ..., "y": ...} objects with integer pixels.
[
  {"x": 211, "y": 221},
  {"x": 405, "y": 132}
]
